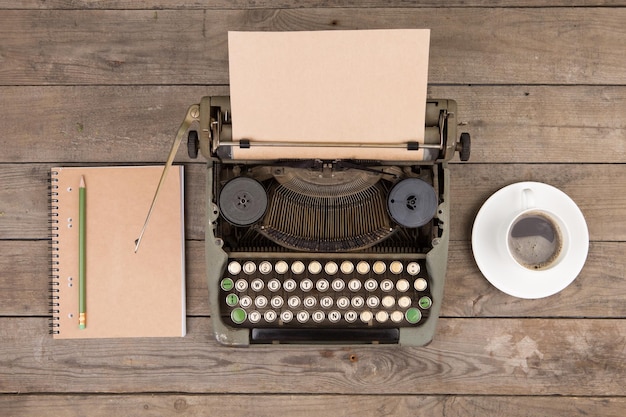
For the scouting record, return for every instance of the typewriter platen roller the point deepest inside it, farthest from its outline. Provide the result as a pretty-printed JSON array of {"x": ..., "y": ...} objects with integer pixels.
[{"x": 325, "y": 250}]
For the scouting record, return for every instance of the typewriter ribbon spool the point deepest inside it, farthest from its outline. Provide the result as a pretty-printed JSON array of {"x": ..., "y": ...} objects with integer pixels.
[
  {"x": 412, "y": 202},
  {"x": 243, "y": 201}
]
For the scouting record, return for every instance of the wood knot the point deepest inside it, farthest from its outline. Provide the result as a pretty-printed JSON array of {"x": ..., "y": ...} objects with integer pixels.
[{"x": 180, "y": 404}]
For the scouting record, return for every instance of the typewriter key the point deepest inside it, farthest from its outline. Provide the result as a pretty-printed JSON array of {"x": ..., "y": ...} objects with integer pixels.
[
  {"x": 243, "y": 201},
  {"x": 412, "y": 202}
]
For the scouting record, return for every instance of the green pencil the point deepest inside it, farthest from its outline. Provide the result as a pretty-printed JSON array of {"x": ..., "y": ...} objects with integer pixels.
[{"x": 82, "y": 318}]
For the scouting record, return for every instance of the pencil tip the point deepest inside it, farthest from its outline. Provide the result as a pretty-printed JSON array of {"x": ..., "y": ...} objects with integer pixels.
[{"x": 82, "y": 181}]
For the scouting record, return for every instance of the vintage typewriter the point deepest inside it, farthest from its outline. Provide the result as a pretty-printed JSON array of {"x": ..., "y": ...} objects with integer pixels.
[{"x": 325, "y": 251}]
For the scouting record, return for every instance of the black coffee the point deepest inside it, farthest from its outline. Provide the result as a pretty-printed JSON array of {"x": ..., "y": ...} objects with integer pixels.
[{"x": 535, "y": 241}]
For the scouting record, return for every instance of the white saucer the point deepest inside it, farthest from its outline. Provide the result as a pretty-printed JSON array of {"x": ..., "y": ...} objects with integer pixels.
[{"x": 500, "y": 269}]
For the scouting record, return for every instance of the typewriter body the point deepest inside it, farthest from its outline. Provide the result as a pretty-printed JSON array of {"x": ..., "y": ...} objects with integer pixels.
[{"x": 325, "y": 250}]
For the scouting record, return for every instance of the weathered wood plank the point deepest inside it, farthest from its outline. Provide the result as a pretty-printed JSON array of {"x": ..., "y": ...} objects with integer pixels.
[
  {"x": 597, "y": 189},
  {"x": 598, "y": 291},
  {"x": 108, "y": 124},
  {"x": 24, "y": 201},
  {"x": 286, "y": 4},
  {"x": 468, "y": 356},
  {"x": 138, "y": 123},
  {"x": 166, "y": 405},
  {"x": 468, "y": 45}
]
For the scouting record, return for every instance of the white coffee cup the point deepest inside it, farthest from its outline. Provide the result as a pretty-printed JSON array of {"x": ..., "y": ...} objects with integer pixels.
[{"x": 535, "y": 239}]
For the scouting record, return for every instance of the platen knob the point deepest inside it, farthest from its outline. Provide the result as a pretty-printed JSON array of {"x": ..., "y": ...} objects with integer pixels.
[{"x": 464, "y": 146}]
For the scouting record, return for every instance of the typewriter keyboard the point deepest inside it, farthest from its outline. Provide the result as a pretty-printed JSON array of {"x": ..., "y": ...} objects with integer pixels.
[{"x": 325, "y": 294}]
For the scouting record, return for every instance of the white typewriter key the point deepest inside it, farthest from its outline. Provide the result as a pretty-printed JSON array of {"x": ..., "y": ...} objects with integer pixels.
[
  {"x": 413, "y": 268},
  {"x": 281, "y": 267},
  {"x": 249, "y": 267},
  {"x": 366, "y": 316},
  {"x": 318, "y": 316},
  {"x": 354, "y": 285},
  {"x": 302, "y": 316},
  {"x": 343, "y": 302},
  {"x": 234, "y": 268},
  {"x": 277, "y": 301},
  {"x": 396, "y": 267},
  {"x": 357, "y": 302},
  {"x": 241, "y": 285},
  {"x": 315, "y": 267},
  {"x": 257, "y": 284},
  {"x": 386, "y": 285},
  {"x": 379, "y": 267},
  {"x": 293, "y": 301},
  {"x": 371, "y": 284},
  {"x": 326, "y": 302},
  {"x": 403, "y": 285},
  {"x": 270, "y": 316},
  {"x": 260, "y": 301},
  {"x": 397, "y": 316},
  {"x": 306, "y": 285},
  {"x": 286, "y": 316},
  {"x": 372, "y": 302},
  {"x": 321, "y": 285},
  {"x": 420, "y": 284},
  {"x": 404, "y": 302},
  {"x": 362, "y": 267},
  {"x": 382, "y": 316},
  {"x": 254, "y": 316},
  {"x": 245, "y": 301},
  {"x": 309, "y": 302},
  {"x": 338, "y": 284},
  {"x": 290, "y": 285},
  {"x": 334, "y": 316},
  {"x": 388, "y": 301},
  {"x": 297, "y": 267},
  {"x": 351, "y": 316},
  {"x": 273, "y": 285},
  {"x": 265, "y": 267},
  {"x": 331, "y": 268},
  {"x": 347, "y": 267}
]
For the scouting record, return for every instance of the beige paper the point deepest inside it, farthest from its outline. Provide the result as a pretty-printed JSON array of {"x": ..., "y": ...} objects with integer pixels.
[
  {"x": 330, "y": 86},
  {"x": 128, "y": 294}
]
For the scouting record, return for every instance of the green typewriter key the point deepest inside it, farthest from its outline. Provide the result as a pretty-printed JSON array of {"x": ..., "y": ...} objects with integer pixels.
[
  {"x": 227, "y": 284},
  {"x": 413, "y": 315},
  {"x": 232, "y": 300},
  {"x": 425, "y": 302},
  {"x": 238, "y": 315}
]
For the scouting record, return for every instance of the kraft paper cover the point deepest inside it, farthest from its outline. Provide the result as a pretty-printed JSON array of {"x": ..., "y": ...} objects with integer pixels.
[{"x": 128, "y": 294}]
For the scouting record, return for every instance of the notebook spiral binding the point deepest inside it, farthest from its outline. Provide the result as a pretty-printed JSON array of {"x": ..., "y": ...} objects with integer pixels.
[{"x": 53, "y": 227}]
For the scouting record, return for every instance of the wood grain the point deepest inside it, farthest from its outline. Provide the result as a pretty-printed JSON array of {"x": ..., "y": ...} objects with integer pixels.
[
  {"x": 116, "y": 124},
  {"x": 308, "y": 405},
  {"x": 597, "y": 292},
  {"x": 596, "y": 189},
  {"x": 468, "y": 45},
  {"x": 467, "y": 357},
  {"x": 286, "y": 4}
]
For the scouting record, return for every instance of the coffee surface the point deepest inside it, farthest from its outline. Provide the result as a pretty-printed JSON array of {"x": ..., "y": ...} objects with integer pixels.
[{"x": 535, "y": 241}]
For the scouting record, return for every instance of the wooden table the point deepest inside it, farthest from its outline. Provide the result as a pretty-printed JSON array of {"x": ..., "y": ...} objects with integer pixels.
[{"x": 541, "y": 86}]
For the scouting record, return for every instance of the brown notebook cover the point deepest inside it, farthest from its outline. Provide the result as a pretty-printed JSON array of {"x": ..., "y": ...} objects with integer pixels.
[{"x": 128, "y": 294}]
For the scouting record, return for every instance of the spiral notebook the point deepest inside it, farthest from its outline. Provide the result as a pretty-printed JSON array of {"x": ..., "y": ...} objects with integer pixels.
[{"x": 127, "y": 294}]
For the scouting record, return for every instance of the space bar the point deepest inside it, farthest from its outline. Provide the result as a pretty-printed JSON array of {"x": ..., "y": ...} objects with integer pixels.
[{"x": 271, "y": 335}]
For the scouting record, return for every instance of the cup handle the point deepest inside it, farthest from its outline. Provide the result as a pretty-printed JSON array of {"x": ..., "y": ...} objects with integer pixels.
[{"x": 528, "y": 199}]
